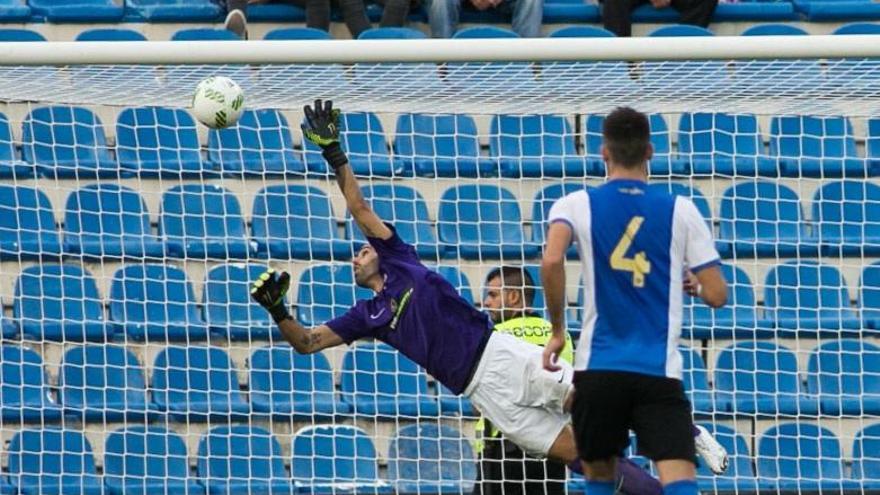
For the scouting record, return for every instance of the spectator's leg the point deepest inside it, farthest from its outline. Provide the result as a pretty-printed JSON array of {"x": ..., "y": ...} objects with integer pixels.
[
  {"x": 527, "y": 16},
  {"x": 395, "y": 13},
  {"x": 354, "y": 14},
  {"x": 696, "y": 12},
  {"x": 617, "y": 16},
  {"x": 236, "y": 17},
  {"x": 443, "y": 17}
]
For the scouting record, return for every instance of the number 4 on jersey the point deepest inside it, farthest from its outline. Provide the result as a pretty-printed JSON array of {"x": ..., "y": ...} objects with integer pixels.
[{"x": 638, "y": 264}]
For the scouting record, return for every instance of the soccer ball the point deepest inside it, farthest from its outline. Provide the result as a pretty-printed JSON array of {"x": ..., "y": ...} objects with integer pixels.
[{"x": 218, "y": 102}]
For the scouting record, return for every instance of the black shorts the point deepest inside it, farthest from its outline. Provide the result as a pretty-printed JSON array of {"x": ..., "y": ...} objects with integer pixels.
[{"x": 608, "y": 404}]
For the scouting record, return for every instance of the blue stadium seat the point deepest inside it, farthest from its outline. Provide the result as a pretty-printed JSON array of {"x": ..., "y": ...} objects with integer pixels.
[
  {"x": 858, "y": 28},
  {"x": 326, "y": 291},
  {"x": 482, "y": 221},
  {"x": 67, "y": 142},
  {"x": 457, "y": 405},
  {"x": 739, "y": 477},
  {"x": 196, "y": 383},
  {"x": 458, "y": 280},
  {"x": 59, "y": 303},
  {"x": 174, "y": 10},
  {"x": 110, "y": 34},
  {"x": 377, "y": 380},
  {"x": 392, "y": 33},
  {"x": 582, "y": 32},
  {"x": 805, "y": 296},
  {"x": 663, "y": 163},
  {"x": 19, "y": 35},
  {"x": 429, "y": 458},
  {"x": 773, "y": 30},
  {"x": 536, "y": 146},
  {"x": 27, "y": 224},
  {"x": 242, "y": 459},
  {"x": 52, "y": 461},
  {"x": 284, "y": 384},
  {"x": 802, "y": 457},
  {"x": 544, "y": 200},
  {"x": 696, "y": 383},
  {"x": 109, "y": 221},
  {"x": 277, "y": 12},
  {"x": 363, "y": 139},
  {"x": 158, "y": 142},
  {"x": 406, "y": 209},
  {"x": 10, "y": 164},
  {"x": 297, "y": 33},
  {"x": 815, "y": 147},
  {"x": 296, "y": 221},
  {"x": 103, "y": 383},
  {"x": 77, "y": 11},
  {"x": 845, "y": 374},
  {"x": 837, "y": 10},
  {"x": 8, "y": 329},
  {"x": 763, "y": 219},
  {"x": 260, "y": 145},
  {"x": 228, "y": 307},
  {"x": 148, "y": 460},
  {"x": 847, "y": 218},
  {"x": 737, "y": 319},
  {"x": 441, "y": 146},
  {"x": 679, "y": 30},
  {"x": 155, "y": 302},
  {"x": 723, "y": 144},
  {"x": 24, "y": 394},
  {"x": 14, "y": 11},
  {"x": 872, "y": 144},
  {"x": 333, "y": 459},
  {"x": 761, "y": 377},
  {"x": 869, "y": 296},
  {"x": 203, "y": 221},
  {"x": 866, "y": 464}
]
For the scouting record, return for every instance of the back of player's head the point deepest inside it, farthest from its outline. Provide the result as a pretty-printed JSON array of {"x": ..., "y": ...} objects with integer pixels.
[
  {"x": 515, "y": 278},
  {"x": 626, "y": 135}
]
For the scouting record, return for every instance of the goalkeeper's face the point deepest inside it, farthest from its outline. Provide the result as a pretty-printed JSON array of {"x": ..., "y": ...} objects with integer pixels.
[{"x": 366, "y": 266}]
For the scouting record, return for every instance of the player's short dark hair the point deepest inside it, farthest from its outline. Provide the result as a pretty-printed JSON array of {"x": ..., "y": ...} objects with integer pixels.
[
  {"x": 626, "y": 135},
  {"x": 515, "y": 277}
]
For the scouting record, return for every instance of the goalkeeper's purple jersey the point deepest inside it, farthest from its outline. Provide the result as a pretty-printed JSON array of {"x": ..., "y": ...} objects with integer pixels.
[{"x": 421, "y": 314}]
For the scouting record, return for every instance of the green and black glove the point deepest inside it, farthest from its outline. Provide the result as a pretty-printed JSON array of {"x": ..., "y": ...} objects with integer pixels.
[
  {"x": 270, "y": 290},
  {"x": 322, "y": 128}
]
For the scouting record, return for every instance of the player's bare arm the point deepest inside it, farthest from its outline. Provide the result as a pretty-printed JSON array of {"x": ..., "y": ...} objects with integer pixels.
[
  {"x": 553, "y": 280},
  {"x": 709, "y": 285}
]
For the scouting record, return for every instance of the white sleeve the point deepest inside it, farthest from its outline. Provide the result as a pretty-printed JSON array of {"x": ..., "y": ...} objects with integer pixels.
[
  {"x": 699, "y": 249},
  {"x": 563, "y": 210}
]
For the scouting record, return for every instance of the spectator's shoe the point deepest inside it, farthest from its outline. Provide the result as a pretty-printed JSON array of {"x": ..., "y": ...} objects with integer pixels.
[
  {"x": 237, "y": 23},
  {"x": 711, "y": 451}
]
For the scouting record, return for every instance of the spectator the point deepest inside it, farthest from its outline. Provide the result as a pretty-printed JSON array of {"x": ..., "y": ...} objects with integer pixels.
[
  {"x": 526, "y": 15},
  {"x": 354, "y": 13},
  {"x": 616, "y": 13}
]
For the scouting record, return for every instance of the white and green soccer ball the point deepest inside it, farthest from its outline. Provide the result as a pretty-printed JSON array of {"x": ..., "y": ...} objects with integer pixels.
[{"x": 218, "y": 102}]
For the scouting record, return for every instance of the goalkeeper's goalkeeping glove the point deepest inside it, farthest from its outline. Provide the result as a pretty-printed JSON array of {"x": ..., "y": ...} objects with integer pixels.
[
  {"x": 270, "y": 290},
  {"x": 322, "y": 128}
]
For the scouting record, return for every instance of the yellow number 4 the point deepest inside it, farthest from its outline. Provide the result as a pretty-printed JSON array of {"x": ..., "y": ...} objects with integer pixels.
[{"x": 638, "y": 264}]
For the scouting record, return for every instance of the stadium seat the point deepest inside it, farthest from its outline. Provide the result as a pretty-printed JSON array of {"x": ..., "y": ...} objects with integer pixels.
[
  {"x": 105, "y": 220},
  {"x": 482, "y": 221},
  {"x": 739, "y": 477},
  {"x": 430, "y": 458},
  {"x": 802, "y": 457},
  {"x": 155, "y": 302},
  {"x": 458, "y": 279},
  {"x": 723, "y": 144},
  {"x": 441, "y": 146},
  {"x": 110, "y": 34},
  {"x": 103, "y": 383},
  {"x": 51, "y": 461},
  {"x": 277, "y": 12},
  {"x": 663, "y": 163},
  {"x": 737, "y": 319},
  {"x": 158, "y": 142},
  {"x": 847, "y": 218},
  {"x": 59, "y": 303},
  {"x": 228, "y": 307},
  {"x": 536, "y": 146},
  {"x": 14, "y": 11},
  {"x": 242, "y": 459},
  {"x": 297, "y": 33},
  {"x": 544, "y": 200},
  {"x": 27, "y": 224},
  {"x": 456, "y": 405},
  {"x": 363, "y": 139},
  {"x": 582, "y": 32},
  {"x": 296, "y": 221},
  {"x": 773, "y": 30},
  {"x": 148, "y": 460},
  {"x": 866, "y": 465},
  {"x": 326, "y": 291},
  {"x": 8, "y": 329},
  {"x": 332, "y": 459},
  {"x": 77, "y": 11},
  {"x": 377, "y": 380},
  {"x": 837, "y": 10},
  {"x": 761, "y": 377},
  {"x": 203, "y": 221},
  {"x": 845, "y": 374},
  {"x": 858, "y": 28},
  {"x": 197, "y": 383},
  {"x": 872, "y": 141},
  {"x": 406, "y": 209},
  {"x": 174, "y": 11},
  {"x": 259, "y": 146},
  {"x": 869, "y": 296},
  {"x": 285, "y": 383},
  {"x": 24, "y": 394},
  {"x": 11, "y": 166},
  {"x": 67, "y": 142},
  {"x": 696, "y": 383},
  {"x": 763, "y": 219},
  {"x": 20, "y": 35},
  {"x": 805, "y": 296},
  {"x": 679, "y": 30},
  {"x": 815, "y": 147}
]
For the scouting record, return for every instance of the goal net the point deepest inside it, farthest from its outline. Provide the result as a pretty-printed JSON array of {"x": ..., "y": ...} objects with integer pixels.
[{"x": 133, "y": 359}]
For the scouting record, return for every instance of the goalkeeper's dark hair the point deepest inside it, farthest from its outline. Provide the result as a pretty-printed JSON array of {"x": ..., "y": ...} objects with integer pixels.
[
  {"x": 626, "y": 134},
  {"x": 515, "y": 277}
]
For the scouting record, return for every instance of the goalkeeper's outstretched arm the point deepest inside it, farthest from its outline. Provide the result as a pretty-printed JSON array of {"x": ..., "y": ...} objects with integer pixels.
[{"x": 322, "y": 128}]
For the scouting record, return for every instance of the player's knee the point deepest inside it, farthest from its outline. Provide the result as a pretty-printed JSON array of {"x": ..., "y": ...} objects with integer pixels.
[{"x": 601, "y": 470}]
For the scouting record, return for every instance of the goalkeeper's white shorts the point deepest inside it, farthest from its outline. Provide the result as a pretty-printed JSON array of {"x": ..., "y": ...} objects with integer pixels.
[{"x": 512, "y": 390}]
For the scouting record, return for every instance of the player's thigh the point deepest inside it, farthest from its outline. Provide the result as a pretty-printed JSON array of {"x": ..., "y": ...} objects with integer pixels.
[
  {"x": 601, "y": 414},
  {"x": 662, "y": 420}
]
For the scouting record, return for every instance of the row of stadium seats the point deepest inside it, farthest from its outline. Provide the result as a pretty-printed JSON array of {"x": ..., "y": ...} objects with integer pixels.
[{"x": 68, "y": 142}]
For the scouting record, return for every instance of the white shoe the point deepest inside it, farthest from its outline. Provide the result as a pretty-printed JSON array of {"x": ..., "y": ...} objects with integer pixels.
[
  {"x": 237, "y": 23},
  {"x": 711, "y": 451}
]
